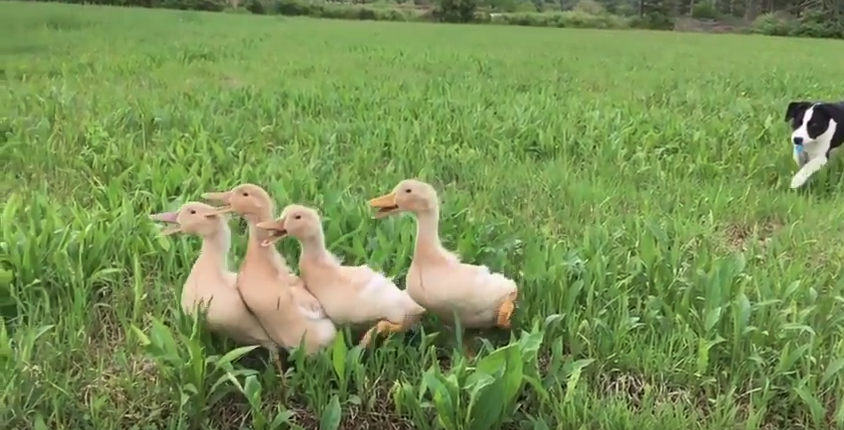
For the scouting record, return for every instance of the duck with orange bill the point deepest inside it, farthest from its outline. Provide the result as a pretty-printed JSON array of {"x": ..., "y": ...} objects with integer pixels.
[
  {"x": 437, "y": 279},
  {"x": 268, "y": 286},
  {"x": 210, "y": 285},
  {"x": 350, "y": 295}
]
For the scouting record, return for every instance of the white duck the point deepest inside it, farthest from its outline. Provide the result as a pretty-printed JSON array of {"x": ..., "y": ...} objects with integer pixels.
[
  {"x": 269, "y": 288},
  {"x": 437, "y": 279},
  {"x": 210, "y": 284},
  {"x": 354, "y": 295}
]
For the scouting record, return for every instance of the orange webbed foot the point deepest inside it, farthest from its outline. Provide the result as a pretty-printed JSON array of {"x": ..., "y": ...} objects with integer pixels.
[
  {"x": 505, "y": 311},
  {"x": 381, "y": 327}
]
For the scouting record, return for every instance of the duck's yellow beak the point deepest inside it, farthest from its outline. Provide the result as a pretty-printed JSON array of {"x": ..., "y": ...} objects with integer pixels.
[
  {"x": 276, "y": 230},
  {"x": 386, "y": 205},
  {"x": 220, "y": 197}
]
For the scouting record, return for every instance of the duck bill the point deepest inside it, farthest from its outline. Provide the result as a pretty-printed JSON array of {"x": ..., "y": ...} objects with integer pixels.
[
  {"x": 386, "y": 205},
  {"x": 171, "y": 229},
  {"x": 217, "y": 197},
  {"x": 275, "y": 230},
  {"x": 170, "y": 218}
]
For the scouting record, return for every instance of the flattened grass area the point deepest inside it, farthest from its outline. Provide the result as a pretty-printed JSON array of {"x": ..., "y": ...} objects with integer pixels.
[{"x": 634, "y": 183}]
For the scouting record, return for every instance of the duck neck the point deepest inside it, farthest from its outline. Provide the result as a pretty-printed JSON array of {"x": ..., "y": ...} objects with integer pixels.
[
  {"x": 261, "y": 215},
  {"x": 314, "y": 250},
  {"x": 257, "y": 235},
  {"x": 215, "y": 249},
  {"x": 253, "y": 244},
  {"x": 428, "y": 233}
]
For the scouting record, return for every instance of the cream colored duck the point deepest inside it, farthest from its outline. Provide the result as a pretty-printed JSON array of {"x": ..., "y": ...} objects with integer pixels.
[
  {"x": 210, "y": 284},
  {"x": 437, "y": 279},
  {"x": 265, "y": 282},
  {"x": 258, "y": 207},
  {"x": 353, "y": 295}
]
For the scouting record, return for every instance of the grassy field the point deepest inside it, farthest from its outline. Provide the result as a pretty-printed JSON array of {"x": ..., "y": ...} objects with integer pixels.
[{"x": 634, "y": 183}]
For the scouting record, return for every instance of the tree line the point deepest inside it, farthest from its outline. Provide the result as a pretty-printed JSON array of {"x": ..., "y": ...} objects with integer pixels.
[{"x": 808, "y": 18}]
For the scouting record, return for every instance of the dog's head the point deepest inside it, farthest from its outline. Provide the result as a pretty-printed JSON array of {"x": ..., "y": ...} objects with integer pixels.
[{"x": 811, "y": 121}]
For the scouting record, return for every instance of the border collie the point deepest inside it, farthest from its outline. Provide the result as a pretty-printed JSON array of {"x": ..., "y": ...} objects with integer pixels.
[{"x": 817, "y": 129}]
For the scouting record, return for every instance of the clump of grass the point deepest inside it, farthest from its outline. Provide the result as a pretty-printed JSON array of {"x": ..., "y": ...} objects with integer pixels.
[{"x": 639, "y": 196}]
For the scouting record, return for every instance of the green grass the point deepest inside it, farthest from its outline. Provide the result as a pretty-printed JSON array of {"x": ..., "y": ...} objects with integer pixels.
[{"x": 634, "y": 183}]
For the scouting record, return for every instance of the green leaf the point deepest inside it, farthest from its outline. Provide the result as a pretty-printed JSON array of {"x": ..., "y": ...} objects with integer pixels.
[
  {"x": 712, "y": 318},
  {"x": 550, "y": 320},
  {"x": 162, "y": 337},
  {"x": 809, "y": 399},
  {"x": 488, "y": 404},
  {"x": 141, "y": 336},
  {"x": 529, "y": 345},
  {"x": 338, "y": 356},
  {"x": 282, "y": 418},
  {"x": 235, "y": 354},
  {"x": 39, "y": 423},
  {"x": 231, "y": 378},
  {"x": 331, "y": 415},
  {"x": 839, "y": 413},
  {"x": 513, "y": 377},
  {"x": 252, "y": 390},
  {"x": 495, "y": 360},
  {"x": 832, "y": 370},
  {"x": 163, "y": 242},
  {"x": 443, "y": 402},
  {"x": 576, "y": 370}
]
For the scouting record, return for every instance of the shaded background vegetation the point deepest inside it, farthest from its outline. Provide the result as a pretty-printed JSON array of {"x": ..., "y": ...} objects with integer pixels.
[{"x": 804, "y": 18}]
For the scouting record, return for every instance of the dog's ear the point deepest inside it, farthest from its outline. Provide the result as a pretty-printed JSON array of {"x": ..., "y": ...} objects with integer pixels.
[
  {"x": 796, "y": 108},
  {"x": 834, "y": 111}
]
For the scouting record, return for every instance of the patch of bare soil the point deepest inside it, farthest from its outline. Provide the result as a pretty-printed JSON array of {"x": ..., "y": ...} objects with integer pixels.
[
  {"x": 231, "y": 81},
  {"x": 632, "y": 388},
  {"x": 355, "y": 418},
  {"x": 232, "y": 412},
  {"x": 738, "y": 235}
]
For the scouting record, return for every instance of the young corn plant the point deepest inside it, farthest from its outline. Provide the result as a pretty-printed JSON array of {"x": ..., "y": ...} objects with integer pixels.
[
  {"x": 197, "y": 381},
  {"x": 349, "y": 371},
  {"x": 263, "y": 417},
  {"x": 474, "y": 397}
]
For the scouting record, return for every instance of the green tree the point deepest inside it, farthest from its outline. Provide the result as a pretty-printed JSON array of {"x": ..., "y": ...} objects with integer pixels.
[{"x": 455, "y": 11}]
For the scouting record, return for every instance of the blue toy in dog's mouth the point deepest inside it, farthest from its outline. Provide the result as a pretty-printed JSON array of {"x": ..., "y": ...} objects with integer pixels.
[{"x": 801, "y": 155}]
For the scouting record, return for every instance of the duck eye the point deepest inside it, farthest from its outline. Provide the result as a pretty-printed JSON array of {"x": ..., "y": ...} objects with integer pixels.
[
  {"x": 245, "y": 194},
  {"x": 192, "y": 212},
  {"x": 407, "y": 190},
  {"x": 297, "y": 217}
]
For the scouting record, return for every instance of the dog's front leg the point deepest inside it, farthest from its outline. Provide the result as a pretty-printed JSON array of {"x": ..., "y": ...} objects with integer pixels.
[{"x": 808, "y": 170}]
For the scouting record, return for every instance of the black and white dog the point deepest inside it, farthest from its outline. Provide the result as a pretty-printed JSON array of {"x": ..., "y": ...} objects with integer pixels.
[{"x": 817, "y": 129}]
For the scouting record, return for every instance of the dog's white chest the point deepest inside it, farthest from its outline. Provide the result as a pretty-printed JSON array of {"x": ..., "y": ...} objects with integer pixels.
[{"x": 815, "y": 149}]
